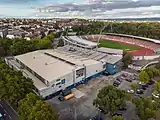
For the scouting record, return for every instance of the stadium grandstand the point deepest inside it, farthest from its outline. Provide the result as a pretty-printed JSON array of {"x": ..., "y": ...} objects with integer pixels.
[
  {"x": 79, "y": 41},
  {"x": 149, "y": 46}
]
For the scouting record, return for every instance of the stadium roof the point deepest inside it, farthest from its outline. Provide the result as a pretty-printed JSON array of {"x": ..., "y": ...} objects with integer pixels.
[
  {"x": 82, "y": 41},
  {"x": 112, "y": 59},
  {"x": 110, "y": 50},
  {"x": 143, "y": 38}
]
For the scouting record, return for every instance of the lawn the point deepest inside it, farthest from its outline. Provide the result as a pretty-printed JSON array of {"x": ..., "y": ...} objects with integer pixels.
[{"x": 117, "y": 45}]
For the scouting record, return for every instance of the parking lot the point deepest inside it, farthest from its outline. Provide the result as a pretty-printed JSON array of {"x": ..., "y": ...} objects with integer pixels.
[{"x": 83, "y": 109}]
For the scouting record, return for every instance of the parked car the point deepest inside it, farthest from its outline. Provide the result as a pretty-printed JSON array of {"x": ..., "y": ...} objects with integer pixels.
[
  {"x": 124, "y": 75},
  {"x": 61, "y": 98},
  {"x": 2, "y": 116},
  {"x": 141, "y": 83},
  {"x": 102, "y": 110},
  {"x": 122, "y": 109},
  {"x": 119, "y": 79},
  {"x": 97, "y": 118},
  {"x": 143, "y": 87},
  {"x": 156, "y": 95},
  {"x": 117, "y": 114},
  {"x": 130, "y": 91},
  {"x": 139, "y": 91},
  {"x": 129, "y": 80},
  {"x": 151, "y": 82},
  {"x": 116, "y": 83}
]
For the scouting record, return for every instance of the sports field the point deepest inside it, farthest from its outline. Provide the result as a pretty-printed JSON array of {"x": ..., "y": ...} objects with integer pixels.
[{"x": 117, "y": 45}]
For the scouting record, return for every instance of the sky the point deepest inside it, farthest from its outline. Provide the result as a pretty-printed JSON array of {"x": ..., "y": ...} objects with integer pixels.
[{"x": 90, "y": 9}]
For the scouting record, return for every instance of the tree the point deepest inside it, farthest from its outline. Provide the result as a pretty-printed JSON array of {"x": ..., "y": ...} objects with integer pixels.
[
  {"x": 2, "y": 52},
  {"x": 134, "y": 86},
  {"x": 127, "y": 58},
  {"x": 145, "y": 108},
  {"x": 110, "y": 99},
  {"x": 25, "y": 105},
  {"x": 150, "y": 72},
  {"x": 156, "y": 87},
  {"x": 13, "y": 86},
  {"x": 143, "y": 77},
  {"x": 158, "y": 65},
  {"x": 117, "y": 118},
  {"x": 42, "y": 111},
  {"x": 60, "y": 43}
]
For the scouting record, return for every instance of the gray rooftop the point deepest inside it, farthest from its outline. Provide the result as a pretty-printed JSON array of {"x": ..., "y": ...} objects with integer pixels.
[
  {"x": 110, "y": 50},
  {"x": 112, "y": 59}
]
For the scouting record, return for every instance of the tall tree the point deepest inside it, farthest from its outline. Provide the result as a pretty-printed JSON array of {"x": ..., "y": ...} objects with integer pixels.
[
  {"x": 143, "y": 77},
  {"x": 117, "y": 118},
  {"x": 25, "y": 105},
  {"x": 110, "y": 99},
  {"x": 145, "y": 108},
  {"x": 42, "y": 111},
  {"x": 127, "y": 58}
]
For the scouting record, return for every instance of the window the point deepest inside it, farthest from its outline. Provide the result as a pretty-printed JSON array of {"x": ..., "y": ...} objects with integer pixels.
[
  {"x": 79, "y": 73},
  {"x": 58, "y": 83},
  {"x": 57, "y": 80},
  {"x": 63, "y": 81},
  {"x": 104, "y": 66},
  {"x": 53, "y": 85}
]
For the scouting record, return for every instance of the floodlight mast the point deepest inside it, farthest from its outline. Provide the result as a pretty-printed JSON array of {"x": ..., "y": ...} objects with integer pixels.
[{"x": 100, "y": 35}]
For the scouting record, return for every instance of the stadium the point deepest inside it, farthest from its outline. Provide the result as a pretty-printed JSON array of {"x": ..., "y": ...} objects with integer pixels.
[{"x": 138, "y": 46}]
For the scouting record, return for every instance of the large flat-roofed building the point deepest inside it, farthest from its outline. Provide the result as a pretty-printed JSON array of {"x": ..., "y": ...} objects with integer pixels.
[{"x": 53, "y": 70}]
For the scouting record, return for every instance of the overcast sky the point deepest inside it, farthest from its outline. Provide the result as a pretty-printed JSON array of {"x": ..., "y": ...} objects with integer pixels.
[{"x": 80, "y": 8}]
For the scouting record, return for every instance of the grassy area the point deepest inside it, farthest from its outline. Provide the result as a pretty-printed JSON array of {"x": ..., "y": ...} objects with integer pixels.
[{"x": 117, "y": 45}]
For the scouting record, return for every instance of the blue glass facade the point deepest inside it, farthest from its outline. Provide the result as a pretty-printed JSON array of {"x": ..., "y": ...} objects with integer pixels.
[{"x": 111, "y": 69}]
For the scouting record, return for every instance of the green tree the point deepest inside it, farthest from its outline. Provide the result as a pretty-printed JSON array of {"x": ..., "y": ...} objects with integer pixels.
[
  {"x": 13, "y": 86},
  {"x": 156, "y": 87},
  {"x": 25, "y": 105},
  {"x": 127, "y": 58},
  {"x": 150, "y": 72},
  {"x": 134, "y": 86},
  {"x": 42, "y": 111},
  {"x": 145, "y": 108},
  {"x": 158, "y": 65},
  {"x": 110, "y": 99},
  {"x": 143, "y": 77},
  {"x": 117, "y": 118}
]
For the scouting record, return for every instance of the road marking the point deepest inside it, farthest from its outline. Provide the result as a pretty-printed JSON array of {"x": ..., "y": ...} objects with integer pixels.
[
  {"x": 5, "y": 111},
  {"x": 1, "y": 105},
  {"x": 10, "y": 117}
]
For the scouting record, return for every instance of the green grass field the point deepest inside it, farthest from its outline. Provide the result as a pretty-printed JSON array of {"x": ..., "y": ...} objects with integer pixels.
[{"x": 117, "y": 45}]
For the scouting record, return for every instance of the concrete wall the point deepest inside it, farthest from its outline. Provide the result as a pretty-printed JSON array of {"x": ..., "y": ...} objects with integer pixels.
[{"x": 94, "y": 69}]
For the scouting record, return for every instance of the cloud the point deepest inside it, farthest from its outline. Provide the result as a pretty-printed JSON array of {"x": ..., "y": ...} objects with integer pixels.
[
  {"x": 103, "y": 9},
  {"x": 86, "y": 9}
]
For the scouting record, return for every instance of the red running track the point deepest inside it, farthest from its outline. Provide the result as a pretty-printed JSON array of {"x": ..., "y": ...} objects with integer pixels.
[{"x": 141, "y": 52}]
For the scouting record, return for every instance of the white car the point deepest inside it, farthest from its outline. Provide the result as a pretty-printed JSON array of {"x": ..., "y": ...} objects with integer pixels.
[
  {"x": 141, "y": 83},
  {"x": 156, "y": 95},
  {"x": 1, "y": 117},
  {"x": 130, "y": 91}
]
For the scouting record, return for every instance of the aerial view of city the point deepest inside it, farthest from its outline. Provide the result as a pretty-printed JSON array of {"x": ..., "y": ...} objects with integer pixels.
[{"x": 79, "y": 59}]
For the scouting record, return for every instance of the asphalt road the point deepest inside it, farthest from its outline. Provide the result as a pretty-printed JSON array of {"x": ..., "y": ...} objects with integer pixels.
[{"x": 10, "y": 114}]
